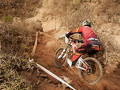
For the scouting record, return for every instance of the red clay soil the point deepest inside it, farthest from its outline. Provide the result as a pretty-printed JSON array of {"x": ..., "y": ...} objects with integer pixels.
[{"x": 45, "y": 57}]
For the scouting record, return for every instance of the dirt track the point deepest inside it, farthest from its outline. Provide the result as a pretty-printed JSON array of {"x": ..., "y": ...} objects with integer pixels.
[{"x": 45, "y": 56}]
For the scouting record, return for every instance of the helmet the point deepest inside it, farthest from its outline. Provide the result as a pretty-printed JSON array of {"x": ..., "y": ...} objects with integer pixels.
[{"x": 86, "y": 23}]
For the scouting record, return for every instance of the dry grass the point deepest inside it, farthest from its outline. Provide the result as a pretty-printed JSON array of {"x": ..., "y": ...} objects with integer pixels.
[
  {"x": 16, "y": 41},
  {"x": 10, "y": 67},
  {"x": 16, "y": 45},
  {"x": 18, "y": 8}
]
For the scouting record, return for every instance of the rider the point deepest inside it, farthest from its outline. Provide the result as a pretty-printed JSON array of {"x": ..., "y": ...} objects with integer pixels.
[{"x": 90, "y": 43}]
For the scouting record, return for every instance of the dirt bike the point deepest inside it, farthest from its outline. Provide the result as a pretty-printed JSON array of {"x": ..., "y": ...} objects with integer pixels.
[{"x": 89, "y": 68}]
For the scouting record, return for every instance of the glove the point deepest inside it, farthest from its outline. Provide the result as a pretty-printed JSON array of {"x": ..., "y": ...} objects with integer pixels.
[
  {"x": 68, "y": 34},
  {"x": 80, "y": 41}
]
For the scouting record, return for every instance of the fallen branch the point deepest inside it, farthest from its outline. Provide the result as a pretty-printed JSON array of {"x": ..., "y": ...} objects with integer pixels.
[
  {"x": 53, "y": 75},
  {"x": 35, "y": 45}
]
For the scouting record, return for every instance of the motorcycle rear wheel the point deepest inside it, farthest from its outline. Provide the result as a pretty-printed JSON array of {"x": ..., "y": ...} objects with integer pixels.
[{"x": 94, "y": 74}]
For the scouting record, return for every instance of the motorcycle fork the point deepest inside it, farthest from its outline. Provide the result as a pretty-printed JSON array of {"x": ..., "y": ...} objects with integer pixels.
[
  {"x": 62, "y": 55},
  {"x": 85, "y": 65}
]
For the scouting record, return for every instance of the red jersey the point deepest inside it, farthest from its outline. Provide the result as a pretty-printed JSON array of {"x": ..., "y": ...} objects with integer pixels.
[{"x": 86, "y": 32}]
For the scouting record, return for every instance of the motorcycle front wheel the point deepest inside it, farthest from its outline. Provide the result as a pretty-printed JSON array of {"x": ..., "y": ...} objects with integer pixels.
[
  {"x": 60, "y": 62},
  {"x": 94, "y": 73}
]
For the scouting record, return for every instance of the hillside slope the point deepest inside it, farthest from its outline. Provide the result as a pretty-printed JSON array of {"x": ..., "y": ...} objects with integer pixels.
[{"x": 53, "y": 18}]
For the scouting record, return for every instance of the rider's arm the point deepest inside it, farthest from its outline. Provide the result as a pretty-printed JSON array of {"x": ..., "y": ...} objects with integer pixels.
[{"x": 73, "y": 32}]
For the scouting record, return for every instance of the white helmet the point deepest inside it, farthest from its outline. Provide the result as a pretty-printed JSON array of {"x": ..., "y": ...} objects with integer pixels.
[{"x": 86, "y": 23}]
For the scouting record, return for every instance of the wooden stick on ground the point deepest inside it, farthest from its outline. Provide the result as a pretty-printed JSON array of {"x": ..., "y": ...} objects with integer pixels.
[{"x": 35, "y": 45}]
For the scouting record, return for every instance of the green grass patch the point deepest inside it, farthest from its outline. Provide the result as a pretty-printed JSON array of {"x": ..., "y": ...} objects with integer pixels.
[{"x": 7, "y": 18}]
